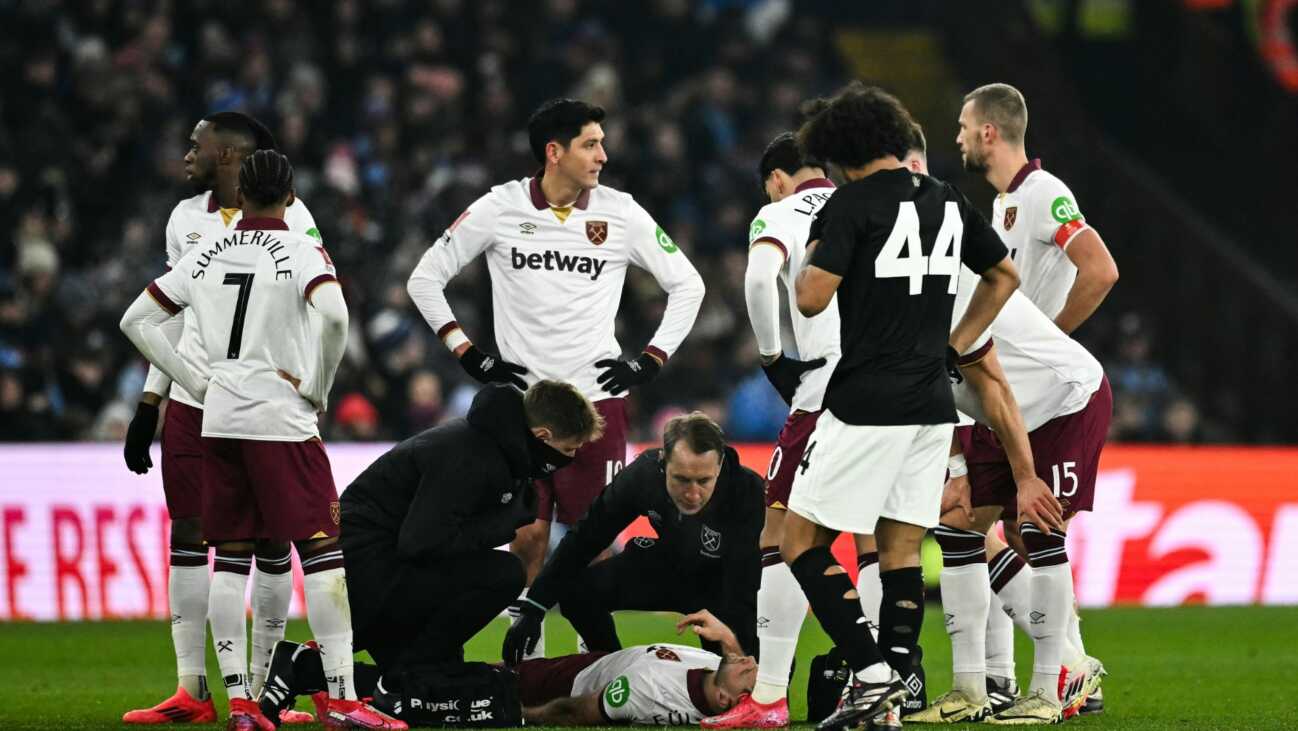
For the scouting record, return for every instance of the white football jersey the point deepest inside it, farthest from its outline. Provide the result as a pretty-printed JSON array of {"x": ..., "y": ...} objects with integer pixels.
[
  {"x": 658, "y": 685},
  {"x": 556, "y": 285},
  {"x": 1037, "y": 217},
  {"x": 246, "y": 296},
  {"x": 197, "y": 222},
  {"x": 786, "y": 224},
  {"x": 1051, "y": 374}
]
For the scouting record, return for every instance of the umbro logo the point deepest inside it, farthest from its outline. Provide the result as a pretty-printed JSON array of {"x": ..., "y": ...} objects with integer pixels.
[
  {"x": 950, "y": 619},
  {"x": 763, "y": 622},
  {"x": 506, "y": 497},
  {"x": 488, "y": 363},
  {"x": 1037, "y": 617},
  {"x": 527, "y": 228},
  {"x": 914, "y": 684},
  {"x": 194, "y": 236},
  {"x": 275, "y": 623}
]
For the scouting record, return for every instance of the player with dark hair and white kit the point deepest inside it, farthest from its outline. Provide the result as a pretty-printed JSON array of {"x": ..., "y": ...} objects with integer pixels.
[
  {"x": 797, "y": 187},
  {"x": 558, "y": 246},
  {"x": 218, "y": 145},
  {"x": 890, "y": 244},
  {"x": 1066, "y": 271},
  {"x": 263, "y": 375}
]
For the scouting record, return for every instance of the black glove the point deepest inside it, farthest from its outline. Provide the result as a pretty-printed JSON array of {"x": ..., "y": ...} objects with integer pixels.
[
  {"x": 953, "y": 365},
  {"x": 785, "y": 374},
  {"x": 522, "y": 637},
  {"x": 623, "y": 374},
  {"x": 139, "y": 435},
  {"x": 488, "y": 368}
]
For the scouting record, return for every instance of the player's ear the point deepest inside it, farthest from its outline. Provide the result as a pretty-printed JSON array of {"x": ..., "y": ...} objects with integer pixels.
[
  {"x": 553, "y": 151},
  {"x": 238, "y": 196},
  {"x": 542, "y": 432}
]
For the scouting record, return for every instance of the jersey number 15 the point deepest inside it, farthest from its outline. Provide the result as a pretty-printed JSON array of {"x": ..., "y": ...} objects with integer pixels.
[{"x": 944, "y": 261}]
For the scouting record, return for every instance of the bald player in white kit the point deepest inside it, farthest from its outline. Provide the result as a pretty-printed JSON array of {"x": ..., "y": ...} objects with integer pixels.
[{"x": 558, "y": 247}]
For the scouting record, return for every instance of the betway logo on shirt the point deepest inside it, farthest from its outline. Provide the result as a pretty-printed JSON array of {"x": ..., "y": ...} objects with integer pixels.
[{"x": 557, "y": 261}]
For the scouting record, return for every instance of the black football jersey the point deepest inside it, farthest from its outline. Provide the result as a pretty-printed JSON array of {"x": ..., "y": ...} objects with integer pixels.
[{"x": 898, "y": 240}]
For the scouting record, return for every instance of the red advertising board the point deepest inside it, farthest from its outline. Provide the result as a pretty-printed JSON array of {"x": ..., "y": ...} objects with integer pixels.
[{"x": 83, "y": 538}]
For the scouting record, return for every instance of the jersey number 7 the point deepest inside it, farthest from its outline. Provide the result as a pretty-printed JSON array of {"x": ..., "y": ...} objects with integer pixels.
[
  {"x": 244, "y": 281},
  {"x": 945, "y": 259}
]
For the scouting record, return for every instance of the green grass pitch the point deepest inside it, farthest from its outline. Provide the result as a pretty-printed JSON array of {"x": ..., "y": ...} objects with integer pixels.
[{"x": 1184, "y": 668}]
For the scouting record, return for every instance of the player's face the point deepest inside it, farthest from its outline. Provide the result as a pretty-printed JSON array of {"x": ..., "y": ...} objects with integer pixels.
[
  {"x": 584, "y": 157},
  {"x": 691, "y": 477},
  {"x": 200, "y": 161},
  {"x": 735, "y": 677},
  {"x": 972, "y": 152}
]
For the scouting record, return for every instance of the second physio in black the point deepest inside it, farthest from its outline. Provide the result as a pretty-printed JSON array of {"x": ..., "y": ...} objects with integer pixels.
[{"x": 707, "y": 510}]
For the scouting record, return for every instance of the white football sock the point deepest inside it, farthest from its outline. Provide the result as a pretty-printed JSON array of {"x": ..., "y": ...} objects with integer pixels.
[
  {"x": 1075, "y": 629},
  {"x": 226, "y": 612},
  {"x": 1000, "y": 639},
  {"x": 1016, "y": 598},
  {"x": 781, "y": 609},
  {"x": 1051, "y": 605},
  {"x": 870, "y": 589},
  {"x": 272, "y": 590},
  {"x": 187, "y": 589},
  {"x": 330, "y": 617},
  {"x": 965, "y": 591}
]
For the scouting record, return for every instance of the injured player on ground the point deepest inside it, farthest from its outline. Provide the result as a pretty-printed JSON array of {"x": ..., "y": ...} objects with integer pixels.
[{"x": 659, "y": 684}]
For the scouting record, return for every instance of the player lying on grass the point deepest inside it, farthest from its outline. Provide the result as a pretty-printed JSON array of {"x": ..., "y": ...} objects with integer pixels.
[{"x": 656, "y": 685}]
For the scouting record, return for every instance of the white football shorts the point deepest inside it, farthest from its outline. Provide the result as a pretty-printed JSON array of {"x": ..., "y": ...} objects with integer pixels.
[{"x": 850, "y": 476}]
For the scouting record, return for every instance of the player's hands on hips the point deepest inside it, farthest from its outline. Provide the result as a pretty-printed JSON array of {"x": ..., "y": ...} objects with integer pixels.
[
  {"x": 522, "y": 637},
  {"x": 956, "y": 496},
  {"x": 139, "y": 435},
  {"x": 489, "y": 368},
  {"x": 786, "y": 373},
  {"x": 620, "y": 375},
  {"x": 953, "y": 365},
  {"x": 1038, "y": 506}
]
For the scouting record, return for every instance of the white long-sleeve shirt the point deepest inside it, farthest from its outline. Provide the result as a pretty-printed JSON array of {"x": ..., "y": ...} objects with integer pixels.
[
  {"x": 777, "y": 251},
  {"x": 248, "y": 296},
  {"x": 556, "y": 285},
  {"x": 196, "y": 222}
]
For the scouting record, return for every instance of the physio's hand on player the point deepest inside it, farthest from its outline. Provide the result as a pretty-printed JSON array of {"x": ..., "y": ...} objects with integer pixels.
[
  {"x": 953, "y": 365},
  {"x": 621, "y": 375},
  {"x": 522, "y": 637},
  {"x": 1037, "y": 505},
  {"x": 139, "y": 435},
  {"x": 489, "y": 368},
  {"x": 786, "y": 373},
  {"x": 955, "y": 496}
]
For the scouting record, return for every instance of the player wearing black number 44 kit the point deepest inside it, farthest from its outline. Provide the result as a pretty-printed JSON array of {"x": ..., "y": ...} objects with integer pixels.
[{"x": 890, "y": 243}]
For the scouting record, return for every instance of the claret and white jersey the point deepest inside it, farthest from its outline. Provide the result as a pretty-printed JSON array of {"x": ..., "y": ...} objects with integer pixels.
[
  {"x": 1037, "y": 217},
  {"x": 785, "y": 224},
  {"x": 658, "y": 685},
  {"x": 198, "y": 222},
  {"x": 556, "y": 284},
  {"x": 246, "y": 295},
  {"x": 1051, "y": 374}
]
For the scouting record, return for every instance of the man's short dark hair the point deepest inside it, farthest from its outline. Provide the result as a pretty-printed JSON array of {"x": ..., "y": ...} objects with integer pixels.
[
  {"x": 559, "y": 120},
  {"x": 265, "y": 177},
  {"x": 857, "y": 126},
  {"x": 699, "y": 432},
  {"x": 251, "y": 133},
  {"x": 1002, "y": 106},
  {"x": 562, "y": 409},
  {"x": 784, "y": 154}
]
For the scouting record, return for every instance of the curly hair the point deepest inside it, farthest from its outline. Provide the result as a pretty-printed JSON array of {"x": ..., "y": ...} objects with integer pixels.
[
  {"x": 856, "y": 126},
  {"x": 265, "y": 177}
]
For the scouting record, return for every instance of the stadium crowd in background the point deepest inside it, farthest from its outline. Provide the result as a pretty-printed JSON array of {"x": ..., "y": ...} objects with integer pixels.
[{"x": 396, "y": 118}]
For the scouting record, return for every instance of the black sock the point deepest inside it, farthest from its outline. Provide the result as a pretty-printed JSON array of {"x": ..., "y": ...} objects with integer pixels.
[
  {"x": 901, "y": 615},
  {"x": 839, "y": 615}
]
